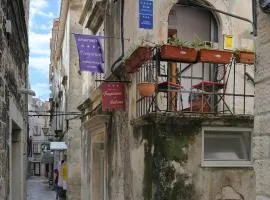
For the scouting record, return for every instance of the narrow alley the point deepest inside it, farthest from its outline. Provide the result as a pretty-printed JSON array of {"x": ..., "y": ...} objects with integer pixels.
[
  {"x": 38, "y": 189},
  {"x": 134, "y": 99}
]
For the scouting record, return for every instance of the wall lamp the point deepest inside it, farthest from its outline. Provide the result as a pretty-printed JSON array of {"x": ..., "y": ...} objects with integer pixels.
[{"x": 26, "y": 91}]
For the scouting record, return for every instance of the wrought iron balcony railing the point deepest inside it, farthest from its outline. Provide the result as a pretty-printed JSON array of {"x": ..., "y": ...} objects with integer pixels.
[{"x": 196, "y": 87}]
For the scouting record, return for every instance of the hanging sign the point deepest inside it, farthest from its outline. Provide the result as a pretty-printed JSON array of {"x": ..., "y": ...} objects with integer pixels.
[
  {"x": 146, "y": 14},
  {"x": 90, "y": 53},
  {"x": 113, "y": 96}
]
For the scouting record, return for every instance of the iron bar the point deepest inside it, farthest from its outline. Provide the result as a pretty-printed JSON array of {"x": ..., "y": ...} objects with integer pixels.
[
  {"x": 234, "y": 87},
  {"x": 190, "y": 77},
  {"x": 183, "y": 70},
  {"x": 245, "y": 69}
]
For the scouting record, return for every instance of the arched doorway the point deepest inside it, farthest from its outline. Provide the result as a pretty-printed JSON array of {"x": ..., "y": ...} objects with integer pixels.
[{"x": 190, "y": 23}]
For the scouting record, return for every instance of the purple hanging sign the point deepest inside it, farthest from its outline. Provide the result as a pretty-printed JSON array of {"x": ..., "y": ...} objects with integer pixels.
[{"x": 90, "y": 53}]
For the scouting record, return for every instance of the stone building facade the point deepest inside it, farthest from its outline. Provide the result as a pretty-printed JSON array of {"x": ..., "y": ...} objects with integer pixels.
[
  {"x": 13, "y": 103},
  {"x": 147, "y": 153},
  {"x": 262, "y": 98},
  {"x": 40, "y": 159},
  {"x": 66, "y": 86}
]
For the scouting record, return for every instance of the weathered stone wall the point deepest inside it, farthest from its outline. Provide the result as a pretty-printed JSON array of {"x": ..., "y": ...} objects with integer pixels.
[
  {"x": 120, "y": 176},
  {"x": 261, "y": 139},
  {"x": 13, "y": 75},
  {"x": 73, "y": 97},
  {"x": 140, "y": 160},
  {"x": 170, "y": 156}
]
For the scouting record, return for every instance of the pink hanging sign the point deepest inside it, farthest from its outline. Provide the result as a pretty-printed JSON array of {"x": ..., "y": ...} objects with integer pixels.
[{"x": 113, "y": 96}]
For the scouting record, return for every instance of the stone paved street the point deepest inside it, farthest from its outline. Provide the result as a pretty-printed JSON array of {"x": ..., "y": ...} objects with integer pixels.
[{"x": 38, "y": 189}]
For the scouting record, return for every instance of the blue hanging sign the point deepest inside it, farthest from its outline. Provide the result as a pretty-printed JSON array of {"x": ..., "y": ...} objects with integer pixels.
[{"x": 146, "y": 14}]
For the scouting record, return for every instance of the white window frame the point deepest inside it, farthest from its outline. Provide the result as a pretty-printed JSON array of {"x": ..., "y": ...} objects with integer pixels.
[
  {"x": 232, "y": 163},
  {"x": 36, "y": 150},
  {"x": 37, "y": 131}
]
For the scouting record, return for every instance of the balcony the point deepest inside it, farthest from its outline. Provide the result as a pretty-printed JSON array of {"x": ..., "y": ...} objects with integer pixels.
[{"x": 198, "y": 85}]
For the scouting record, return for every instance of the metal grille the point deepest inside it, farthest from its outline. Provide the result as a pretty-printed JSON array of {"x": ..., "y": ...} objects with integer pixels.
[{"x": 220, "y": 89}]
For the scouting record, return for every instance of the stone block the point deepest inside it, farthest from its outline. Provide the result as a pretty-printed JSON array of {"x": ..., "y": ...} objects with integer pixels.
[
  {"x": 262, "y": 176},
  {"x": 262, "y": 125},
  {"x": 228, "y": 193},
  {"x": 262, "y": 96},
  {"x": 262, "y": 198},
  {"x": 261, "y": 146}
]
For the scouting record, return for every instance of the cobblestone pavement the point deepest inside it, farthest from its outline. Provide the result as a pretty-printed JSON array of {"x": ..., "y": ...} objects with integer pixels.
[{"x": 38, "y": 189}]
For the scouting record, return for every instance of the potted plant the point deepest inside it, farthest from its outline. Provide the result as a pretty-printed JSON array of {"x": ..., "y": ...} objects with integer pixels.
[
  {"x": 148, "y": 86},
  {"x": 244, "y": 56},
  {"x": 139, "y": 56},
  {"x": 209, "y": 54},
  {"x": 178, "y": 50},
  {"x": 215, "y": 56}
]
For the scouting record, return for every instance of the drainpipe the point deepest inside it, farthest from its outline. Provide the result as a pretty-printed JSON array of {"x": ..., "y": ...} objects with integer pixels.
[
  {"x": 254, "y": 16},
  {"x": 122, "y": 39}
]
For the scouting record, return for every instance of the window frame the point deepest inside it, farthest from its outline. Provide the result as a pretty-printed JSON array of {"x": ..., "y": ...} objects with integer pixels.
[
  {"x": 37, "y": 131},
  {"x": 36, "y": 150},
  {"x": 221, "y": 163}
]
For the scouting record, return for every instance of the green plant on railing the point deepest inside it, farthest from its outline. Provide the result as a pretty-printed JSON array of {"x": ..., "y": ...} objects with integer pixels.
[
  {"x": 243, "y": 50},
  {"x": 136, "y": 45},
  {"x": 197, "y": 43},
  {"x": 175, "y": 41}
]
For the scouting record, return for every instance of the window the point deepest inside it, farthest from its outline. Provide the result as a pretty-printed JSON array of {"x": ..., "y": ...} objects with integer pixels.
[
  {"x": 226, "y": 147},
  {"x": 36, "y": 148},
  {"x": 36, "y": 131}
]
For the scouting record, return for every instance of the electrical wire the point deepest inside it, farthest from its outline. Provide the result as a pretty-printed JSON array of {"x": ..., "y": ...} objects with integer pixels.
[{"x": 48, "y": 115}]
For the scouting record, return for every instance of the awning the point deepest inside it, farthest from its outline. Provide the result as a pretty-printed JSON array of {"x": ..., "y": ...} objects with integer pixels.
[{"x": 58, "y": 146}]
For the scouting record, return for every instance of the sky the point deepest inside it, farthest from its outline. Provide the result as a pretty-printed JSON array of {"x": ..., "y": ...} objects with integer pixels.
[{"x": 42, "y": 13}]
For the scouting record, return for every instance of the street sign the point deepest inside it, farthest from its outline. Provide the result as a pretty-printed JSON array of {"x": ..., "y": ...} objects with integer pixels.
[{"x": 146, "y": 14}]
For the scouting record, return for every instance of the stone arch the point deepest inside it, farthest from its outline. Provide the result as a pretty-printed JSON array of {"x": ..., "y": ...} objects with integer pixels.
[
  {"x": 224, "y": 22},
  {"x": 229, "y": 193}
]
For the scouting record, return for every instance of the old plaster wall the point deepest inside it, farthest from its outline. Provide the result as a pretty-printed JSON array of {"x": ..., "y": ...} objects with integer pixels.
[
  {"x": 219, "y": 183},
  {"x": 135, "y": 36},
  {"x": 17, "y": 152},
  {"x": 168, "y": 165},
  {"x": 228, "y": 25},
  {"x": 120, "y": 184},
  {"x": 161, "y": 160},
  {"x": 13, "y": 75},
  {"x": 72, "y": 97},
  {"x": 130, "y": 152},
  {"x": 86, "y": 164},
  {"x": 261, "y": 139}
]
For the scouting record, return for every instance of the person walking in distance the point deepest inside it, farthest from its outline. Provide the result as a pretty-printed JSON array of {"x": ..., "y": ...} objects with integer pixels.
[
  {"x": 64, "y": 174},
  {"x": 55, "y": 181},
  {"x": 60, "y": 182}
]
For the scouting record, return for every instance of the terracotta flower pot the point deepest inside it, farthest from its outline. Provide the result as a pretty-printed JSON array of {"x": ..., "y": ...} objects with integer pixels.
[
  {"x": 137, "y": 58},
  {"x": 146, "y": 89},
  {"x": 245, "y": 57},
  {"x": 178, "y": 54},
  {"x": 215, "y": 56}
]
